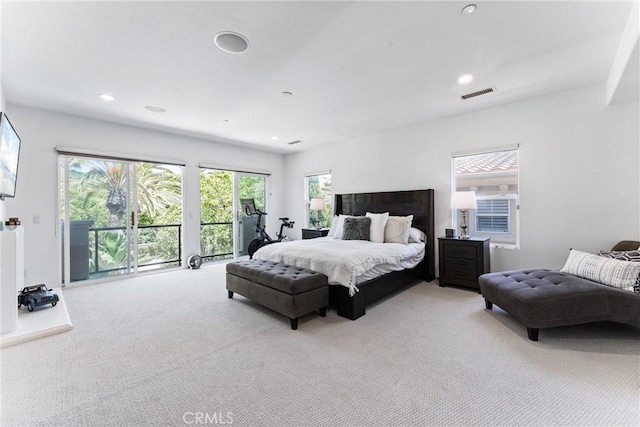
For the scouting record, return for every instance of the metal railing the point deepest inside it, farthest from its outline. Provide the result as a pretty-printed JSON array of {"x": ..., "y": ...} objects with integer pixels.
[
  {"x": 218, "y": 245},
  {"x": 117, "y": 247}
]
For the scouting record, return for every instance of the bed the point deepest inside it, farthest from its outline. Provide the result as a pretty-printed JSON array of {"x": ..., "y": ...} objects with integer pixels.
[{"x": 352, "y": 303}]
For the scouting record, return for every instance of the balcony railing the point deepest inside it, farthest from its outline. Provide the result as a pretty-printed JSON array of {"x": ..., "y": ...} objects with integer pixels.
[
  {"x": 216, "y": 240},
  {"x": 108, "y": 253},
  {"x": 158, "y": 245}
]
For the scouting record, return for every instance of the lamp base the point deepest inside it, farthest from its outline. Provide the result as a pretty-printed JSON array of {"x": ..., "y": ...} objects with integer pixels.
[{"x": 463, "y": 226}]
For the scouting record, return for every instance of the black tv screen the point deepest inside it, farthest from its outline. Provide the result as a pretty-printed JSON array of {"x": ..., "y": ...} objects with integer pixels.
[{"x": 9, "y": 153}]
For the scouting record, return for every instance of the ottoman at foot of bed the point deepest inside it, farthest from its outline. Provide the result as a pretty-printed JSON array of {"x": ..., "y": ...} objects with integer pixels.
[{"x": 285, "y": 289}]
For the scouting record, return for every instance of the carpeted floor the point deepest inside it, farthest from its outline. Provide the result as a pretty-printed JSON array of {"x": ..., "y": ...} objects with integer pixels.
[{"x": 172, "y": 349}]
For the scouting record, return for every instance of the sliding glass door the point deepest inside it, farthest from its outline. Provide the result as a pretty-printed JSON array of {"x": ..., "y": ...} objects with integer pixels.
[
  {"x": 225, "y": 231},
  {"x": 118, "y": 217},
  {"x": 249, "y": 186}
]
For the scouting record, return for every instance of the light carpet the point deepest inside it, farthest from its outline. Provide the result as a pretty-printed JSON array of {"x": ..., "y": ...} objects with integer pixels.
[{"x": 172, "y": 349}]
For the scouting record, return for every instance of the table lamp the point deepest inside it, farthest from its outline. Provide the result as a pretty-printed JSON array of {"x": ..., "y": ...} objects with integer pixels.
[
  {"x": 464, "y": 200},
  {"x": 317, "y": 205}
]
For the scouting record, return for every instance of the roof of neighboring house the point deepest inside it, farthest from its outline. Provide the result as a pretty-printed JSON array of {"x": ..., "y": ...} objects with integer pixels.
[{"x": 501, "y": 161}]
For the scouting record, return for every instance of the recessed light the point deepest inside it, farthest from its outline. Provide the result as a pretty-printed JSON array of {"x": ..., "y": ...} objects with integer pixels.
[
  {"x": 465, "y": 79},
  {"x": 106, "y": 97},
  {"x": 274, "y": 137},
  {"x": 286, "y": 94},
  {"x": 469, "y": 9},
  {"x": 231, "y": 42},
  {"x": 154, "y": 108}
]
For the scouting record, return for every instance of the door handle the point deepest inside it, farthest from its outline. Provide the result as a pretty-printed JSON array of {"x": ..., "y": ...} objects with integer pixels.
[{"x": 133, "y": 218}]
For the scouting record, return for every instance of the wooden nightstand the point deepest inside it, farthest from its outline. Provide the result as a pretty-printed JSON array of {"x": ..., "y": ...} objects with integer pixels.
[
  {"x": 312, "y": 233},
  {"x": 462, "y": 261}
]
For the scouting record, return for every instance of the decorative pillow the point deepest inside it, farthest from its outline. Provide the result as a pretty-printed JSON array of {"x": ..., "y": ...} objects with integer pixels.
[
  {"x": 612, "y": 272},
  {"x": 416, "y": 236},
  {"x": 378, "y": 222},
  {"x": 356, "y": 228},
  {"x": 397, "y": 229},
  {"x": 340, "y": 226},
  {"x": 622, "y": 255},
  {"x": 334, "y": 227},
  {"x": 633, "y": 256}
]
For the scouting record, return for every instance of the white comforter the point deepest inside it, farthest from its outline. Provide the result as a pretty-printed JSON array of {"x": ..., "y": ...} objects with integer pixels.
[{"x": 345, "y": 262}]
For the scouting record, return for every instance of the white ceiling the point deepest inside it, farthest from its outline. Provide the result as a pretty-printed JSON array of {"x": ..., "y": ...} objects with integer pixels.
[{"x": 355, "y": 68}]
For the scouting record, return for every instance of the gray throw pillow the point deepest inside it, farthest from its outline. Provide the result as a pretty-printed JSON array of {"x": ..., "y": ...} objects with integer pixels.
[{"x": 356, "y": 228}]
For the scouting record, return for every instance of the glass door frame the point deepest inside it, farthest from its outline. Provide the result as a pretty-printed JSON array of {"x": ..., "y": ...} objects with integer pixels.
[
  {"x": 237, "y": 214},
  {"x": 131, "y": 223}
]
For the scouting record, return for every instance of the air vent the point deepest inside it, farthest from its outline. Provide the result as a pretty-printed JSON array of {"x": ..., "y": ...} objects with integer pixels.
[
  {"x": 478, "y": 93},
  {"x": 297, "y": 141}
]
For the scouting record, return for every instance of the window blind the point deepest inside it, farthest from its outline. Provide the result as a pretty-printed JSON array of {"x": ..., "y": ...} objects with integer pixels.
[{"x": 492, "y": 215}]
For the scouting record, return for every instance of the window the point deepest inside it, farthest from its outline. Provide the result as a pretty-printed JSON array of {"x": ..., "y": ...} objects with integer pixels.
[
  {"x": 494, "y": 176},
  {"x": 318, "y": 186}
]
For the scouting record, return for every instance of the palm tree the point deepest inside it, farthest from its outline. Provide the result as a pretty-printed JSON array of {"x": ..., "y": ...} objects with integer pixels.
[
  {"x": 158, "y": 188},
  {"x": 112, "y": 178}
]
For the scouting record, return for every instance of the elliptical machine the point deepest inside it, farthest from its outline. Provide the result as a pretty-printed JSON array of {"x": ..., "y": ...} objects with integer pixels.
[{"x": 262, "y": 237}]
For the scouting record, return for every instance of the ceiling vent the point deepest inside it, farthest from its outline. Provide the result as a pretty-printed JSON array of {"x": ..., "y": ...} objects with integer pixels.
[
  {"x": 297, "y": 141},
  {"x": 478, "y": 93}
]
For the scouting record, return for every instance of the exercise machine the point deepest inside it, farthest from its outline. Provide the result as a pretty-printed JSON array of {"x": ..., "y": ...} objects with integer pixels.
[{"x": 262, "y": 237}]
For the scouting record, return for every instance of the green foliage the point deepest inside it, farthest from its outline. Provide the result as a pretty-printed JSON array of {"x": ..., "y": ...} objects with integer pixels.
[
  {"x": 99, "y": 189},
  {"x": 159, "y": 193},
  {"x": 319, "y": 187},
  {"x": 112, "y": 251},
  {"x": 216, "y": 196}
]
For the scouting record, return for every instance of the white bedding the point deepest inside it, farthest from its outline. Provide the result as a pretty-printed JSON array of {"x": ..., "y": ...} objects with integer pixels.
[{"x": 345, "y": 262}]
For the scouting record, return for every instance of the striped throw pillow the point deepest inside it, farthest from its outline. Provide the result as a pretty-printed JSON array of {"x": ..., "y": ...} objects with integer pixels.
[
  {"x": 612, "y": 272},
  {"x": 633, "y": 256}
]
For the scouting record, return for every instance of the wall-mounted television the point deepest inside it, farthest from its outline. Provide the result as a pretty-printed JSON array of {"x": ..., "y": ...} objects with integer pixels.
[{"x": 9, "y": 153}]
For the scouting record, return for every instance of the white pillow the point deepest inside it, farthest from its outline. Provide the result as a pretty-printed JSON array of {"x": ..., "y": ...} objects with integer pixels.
[
  {"x": 334, "y": 227},
  {"x": 612, "y": 272},
  {"x": 378, "y": 223},
  {"x": 397, "y": 229},
  {"x": 340, "y": 226},
  {"x": 416, "y": 236}
]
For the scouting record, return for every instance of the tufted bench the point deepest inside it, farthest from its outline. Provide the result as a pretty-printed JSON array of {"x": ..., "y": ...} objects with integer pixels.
[
  {"x": 544, "y": 298},
  {"x": 288, "y": 290}
]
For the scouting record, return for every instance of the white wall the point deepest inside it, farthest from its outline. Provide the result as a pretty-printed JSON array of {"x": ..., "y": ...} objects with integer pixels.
[
  {"x": 36, "y": 194},
  {"x": 2, "y": 108},
  {"x": 579, "y": 171}
]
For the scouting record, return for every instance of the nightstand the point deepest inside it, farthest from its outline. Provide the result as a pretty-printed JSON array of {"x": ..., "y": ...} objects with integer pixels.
[
  {"x": 312, "y": 233},
  {"x": 462, "y": 261}
]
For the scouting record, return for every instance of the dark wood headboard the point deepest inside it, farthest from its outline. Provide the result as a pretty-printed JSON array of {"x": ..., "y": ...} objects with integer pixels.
[{"x": 419, "y": 203}]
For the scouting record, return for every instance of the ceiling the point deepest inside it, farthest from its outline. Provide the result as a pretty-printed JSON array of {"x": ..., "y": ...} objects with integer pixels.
[{"x": 354, "y": 68}]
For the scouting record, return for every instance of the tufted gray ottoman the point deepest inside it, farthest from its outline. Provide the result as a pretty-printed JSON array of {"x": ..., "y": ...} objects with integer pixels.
[
  {"x": 288, "y": 290},
  {"x": 542, "y": 298}
]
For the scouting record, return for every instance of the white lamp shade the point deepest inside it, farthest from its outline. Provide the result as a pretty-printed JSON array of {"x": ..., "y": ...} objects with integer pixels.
[
  {"x": 316, "y": 204},
  {"x": 464, "y": 200}
]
